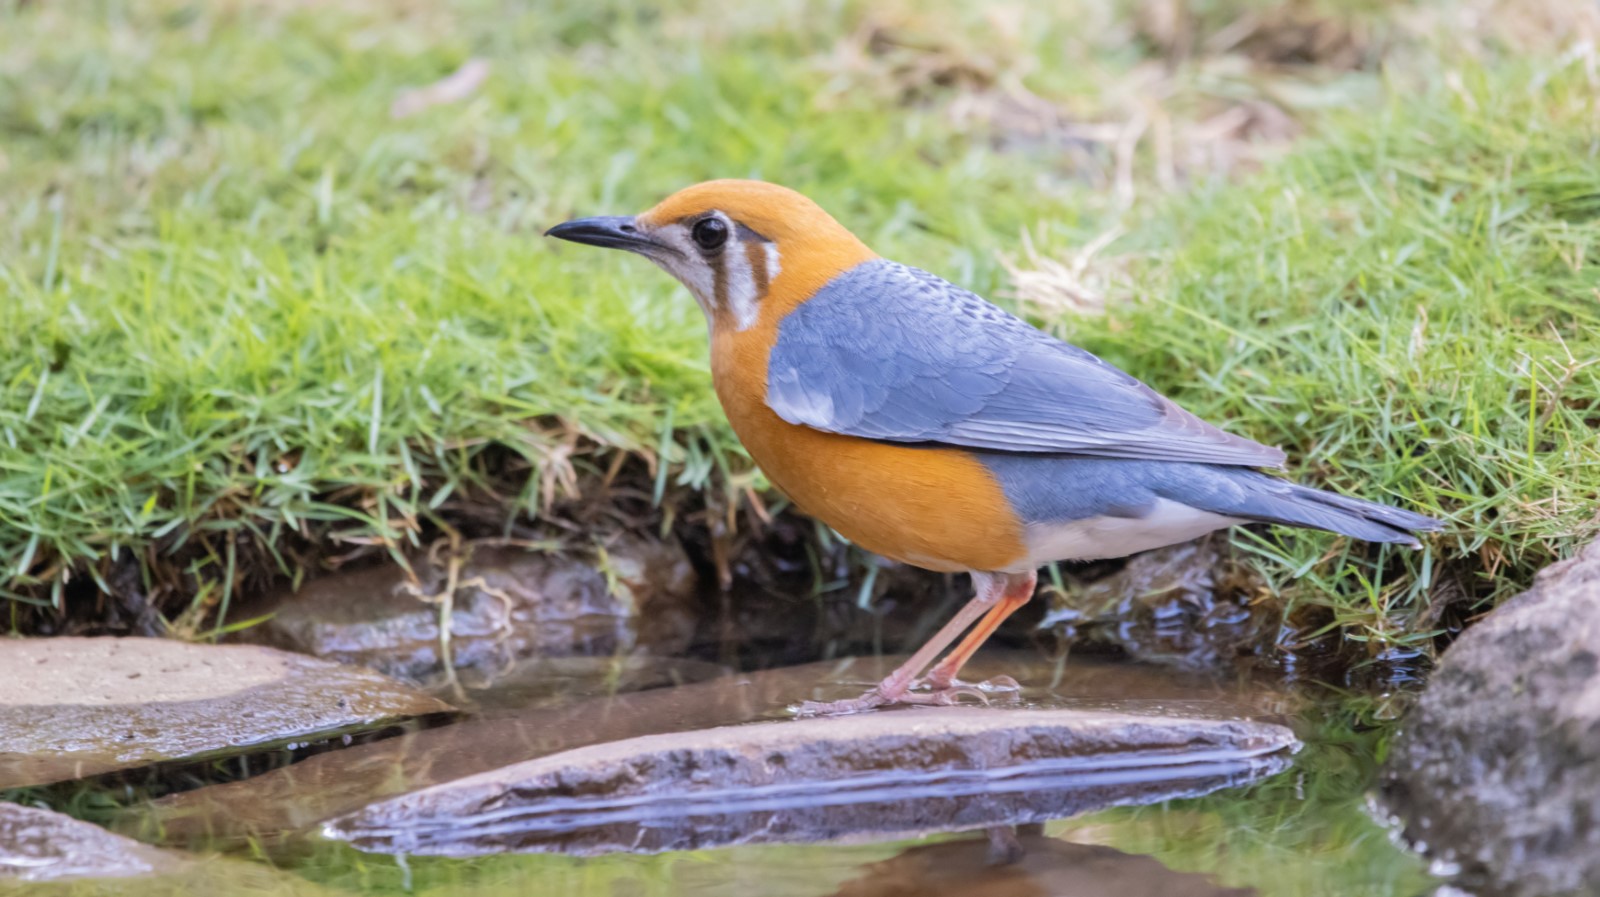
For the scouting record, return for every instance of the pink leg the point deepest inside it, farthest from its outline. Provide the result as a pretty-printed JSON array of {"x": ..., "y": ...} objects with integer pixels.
[
  {"x": 896, "y": 687},
  {"x": 1017, "y": 590}
]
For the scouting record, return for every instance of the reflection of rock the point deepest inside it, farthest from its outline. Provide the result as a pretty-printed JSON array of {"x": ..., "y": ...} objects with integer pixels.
[
  {"x": 1048, "y": 867},
  {"x": 509, "y": 603},
  {"x": 53, "y": 852},
  {"x": 1188, "y": 605},
  {"x": 280, "y": 803},
  {"x": 1498, "y": 767},
  {"x": 819, "y": 779},
  {"x": 38, "y": 845},
  {"x": 75, "y": 707}
]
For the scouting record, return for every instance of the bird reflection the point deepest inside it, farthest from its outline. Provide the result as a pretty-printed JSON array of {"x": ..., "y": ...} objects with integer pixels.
[{"x": 1023, "y": 862}]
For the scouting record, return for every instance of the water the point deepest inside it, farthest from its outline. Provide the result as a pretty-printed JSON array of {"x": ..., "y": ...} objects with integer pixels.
[{"x": 1302, "y": 831}]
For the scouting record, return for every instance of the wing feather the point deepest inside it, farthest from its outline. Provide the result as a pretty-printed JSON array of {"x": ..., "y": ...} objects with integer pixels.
[{"x": 885, "y": 351}]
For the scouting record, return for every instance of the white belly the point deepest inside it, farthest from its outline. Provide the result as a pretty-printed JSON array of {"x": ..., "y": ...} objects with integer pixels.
[{"x": 1113, "y": 537}]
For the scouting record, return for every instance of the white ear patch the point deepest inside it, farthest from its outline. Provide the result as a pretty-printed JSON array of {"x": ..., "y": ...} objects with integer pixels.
[{"x": 730, "y": 280}]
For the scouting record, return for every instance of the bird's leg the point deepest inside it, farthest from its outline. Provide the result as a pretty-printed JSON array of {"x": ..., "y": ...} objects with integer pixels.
[
  {"x": 896, "y": 687},
  {"x": 1016, "y": 590}
]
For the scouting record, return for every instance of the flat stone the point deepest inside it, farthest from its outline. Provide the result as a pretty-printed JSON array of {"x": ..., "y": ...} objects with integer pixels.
[
  {"x": 77, "y": 707},
  {"x": 1497, "y": 768},
  {"x": 509, "y": 603},
  {"x": 903, "y": 771},
  {"x": 277, "y": 808}
]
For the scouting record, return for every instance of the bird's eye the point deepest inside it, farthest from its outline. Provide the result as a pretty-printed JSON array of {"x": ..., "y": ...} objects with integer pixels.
[{"x": 710, "y": 233}]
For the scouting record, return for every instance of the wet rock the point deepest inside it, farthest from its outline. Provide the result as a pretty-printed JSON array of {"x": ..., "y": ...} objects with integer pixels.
[
  {"x": 914, "y": 770},
  {"x": 1497, "y": 769},
  {"x": 966, "y": 868},
  {"x": 1188, "y": 605},
  {"x": 40, "y": 845},
  {"x": 509, "y": 603},
  {"x": 274, "y": 809},
  {"x": 76, "y": 707}
]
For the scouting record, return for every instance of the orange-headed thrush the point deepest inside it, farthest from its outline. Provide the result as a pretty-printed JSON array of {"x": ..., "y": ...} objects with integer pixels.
[{"x": 930, "y": 426}]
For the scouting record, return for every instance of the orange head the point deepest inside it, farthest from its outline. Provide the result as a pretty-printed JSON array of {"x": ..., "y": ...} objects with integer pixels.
[{"x": 745, "y": 249}]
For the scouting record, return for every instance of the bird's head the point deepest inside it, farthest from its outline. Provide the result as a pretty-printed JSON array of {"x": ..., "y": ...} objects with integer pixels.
[{"x": 741, "y": 247}]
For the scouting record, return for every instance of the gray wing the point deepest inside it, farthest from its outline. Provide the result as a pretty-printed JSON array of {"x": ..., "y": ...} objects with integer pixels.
[{"x": 885, "y": 351}]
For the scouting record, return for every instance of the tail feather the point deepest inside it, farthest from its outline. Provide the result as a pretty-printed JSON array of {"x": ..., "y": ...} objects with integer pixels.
[{"x": 1239, "y": 492}]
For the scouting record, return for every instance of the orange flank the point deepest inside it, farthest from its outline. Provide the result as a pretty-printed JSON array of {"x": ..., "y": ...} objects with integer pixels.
[{"x": 937, "y": 508}]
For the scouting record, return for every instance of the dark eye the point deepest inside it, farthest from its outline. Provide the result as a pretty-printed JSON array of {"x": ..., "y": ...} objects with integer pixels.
[{"x": 710, "y": 233}]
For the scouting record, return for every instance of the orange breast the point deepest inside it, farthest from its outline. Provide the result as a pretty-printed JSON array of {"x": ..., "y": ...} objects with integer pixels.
[{"x": 937, "y": 508}]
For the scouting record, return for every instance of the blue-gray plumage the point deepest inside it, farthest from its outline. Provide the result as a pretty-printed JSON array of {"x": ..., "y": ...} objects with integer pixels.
[
  {"x": 1092, "y": 460},
  {"x": 1063, "y": 488},
  {"x": 886, "y": 351}
]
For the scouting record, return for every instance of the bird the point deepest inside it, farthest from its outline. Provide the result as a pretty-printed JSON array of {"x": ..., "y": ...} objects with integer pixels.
[{"x": 932, "y": 427}]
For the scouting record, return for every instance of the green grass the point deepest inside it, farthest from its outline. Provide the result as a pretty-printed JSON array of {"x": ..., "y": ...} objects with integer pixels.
[{"x": 241, "y": 303}]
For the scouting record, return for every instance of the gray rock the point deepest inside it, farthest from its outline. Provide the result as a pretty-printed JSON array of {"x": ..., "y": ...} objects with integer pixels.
[
  {"x": 40, "y": 845},
  {"x": 76, "y": 707},
  {"x": 1497, "y": 768},
  {"x": 509, "y": 603},
  {"x": 906, "y": 771},
  {"x": 275, "y": 807}
]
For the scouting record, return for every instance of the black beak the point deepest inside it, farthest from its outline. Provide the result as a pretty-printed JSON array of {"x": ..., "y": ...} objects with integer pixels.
[{"x": 611, "y": 232}]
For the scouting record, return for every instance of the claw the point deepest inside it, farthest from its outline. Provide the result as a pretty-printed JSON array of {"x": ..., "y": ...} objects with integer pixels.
[{"x": 1001, "y": 684}]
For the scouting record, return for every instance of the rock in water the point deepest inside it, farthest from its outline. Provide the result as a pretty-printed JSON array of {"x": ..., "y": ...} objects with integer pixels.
[
  {"x": 273, "y": 808},
  {"x": 76, "y": 707},
  {"x": 820, "y": 779},
  {"x": 509, "y": 603},
  {"x": 1497, "y": 769}
]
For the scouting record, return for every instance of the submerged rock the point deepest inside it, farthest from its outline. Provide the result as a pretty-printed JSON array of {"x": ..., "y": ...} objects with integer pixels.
[
  {"x": 914, "y": 770},
  {"x": 509, "y": 603},
  {"x": 272, "y": 809},
  {"x": 76, "y": 707},
  {"x": 1497, "y": 769},
  {"x": 40, "y": 845},
  {"x": 1040, "y": 866}
]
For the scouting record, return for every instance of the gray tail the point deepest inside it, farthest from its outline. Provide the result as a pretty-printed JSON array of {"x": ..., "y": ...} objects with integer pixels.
[{"x": 1241, "y": 492}]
